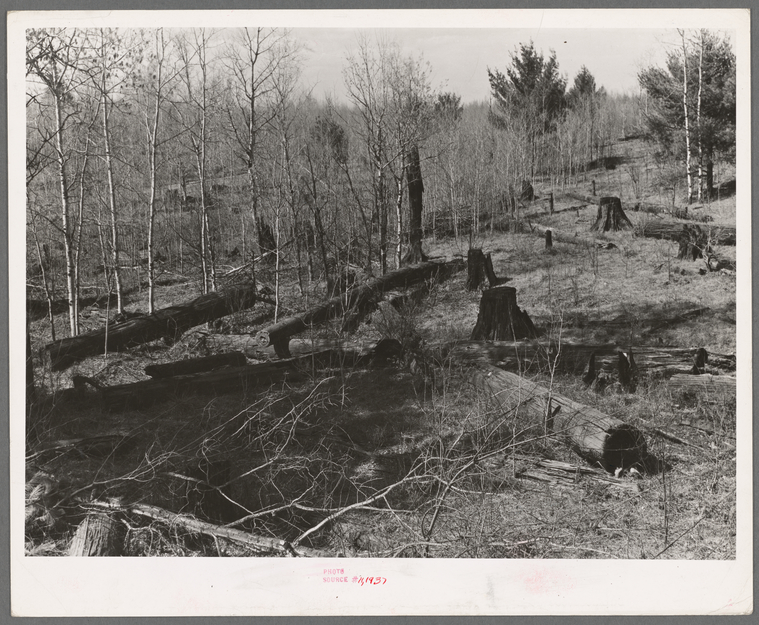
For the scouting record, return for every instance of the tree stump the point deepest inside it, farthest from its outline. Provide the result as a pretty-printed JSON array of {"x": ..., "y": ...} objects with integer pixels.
[
  {"x": 479, "y": 267},
  {"x": 528, "y": 193},
  {"x": 611, "y": 217},
  {"x": 694, "y": 243},
  {"x": 99, "y": 534},
  {"x": 475, "y": 266},
  {"x": 549, "y": 240},
  {"x": 500, "y": 319}
]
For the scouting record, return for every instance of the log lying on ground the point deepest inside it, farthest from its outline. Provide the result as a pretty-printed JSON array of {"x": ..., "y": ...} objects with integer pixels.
[
  {"x": 99, "y": 534},
  {"x": 196, "y": 365},
  {"x": 261, "y": 544},
  {"x": 570, "y": 357},
  {"x": 706, "y": 383},
  {"x": 168, "y": 324},
  {"x": 244, "y": 378},
  {"x": 596, "y": 437},
  {"x": 565, "y": 237},
  {"x": 671, "y": 230},
  {"x": 359, "y": 300}
]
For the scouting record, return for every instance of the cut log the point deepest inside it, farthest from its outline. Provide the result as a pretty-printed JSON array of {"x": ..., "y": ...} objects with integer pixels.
[
  {"x": 362, "y": 298},
  {"x": 500, "y": 319},
  {"x": 99, "y": 534},
  {"x": 168, "y": 324},
  {"x": 596, "y": 437},
  {"x": 196, "y": 365},
  {"x": 611, "y": 217},
  {"x": 706, "y": 383},
  {"x": 672, "y": 230},
  {"x": 570, "y": 357}
]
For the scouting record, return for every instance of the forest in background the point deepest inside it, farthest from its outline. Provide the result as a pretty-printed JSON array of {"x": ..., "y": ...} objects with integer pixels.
[{"x": 156, "y": 153}]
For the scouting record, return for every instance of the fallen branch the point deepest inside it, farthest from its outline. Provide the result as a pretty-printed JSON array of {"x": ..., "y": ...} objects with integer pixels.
[{"x": 262, "y": 544}]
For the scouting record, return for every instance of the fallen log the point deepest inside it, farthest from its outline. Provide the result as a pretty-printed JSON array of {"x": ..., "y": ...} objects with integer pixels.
[
  {"x": 99, "y": 534},
  {"x": 243, "y": 378},
  {"x": 674, "y": 231},
  {"x": 359, "y": 300},
  {"x": 706, "y": 383},
  {"x": 598, "y": 438},
  {"x": 168, "y": 324},
  {"x": 261, "y": 544},
  {"x": 196, "y": 365},
  {"x": 570, "y": 357},
  {"x": 564, "y": 237}
]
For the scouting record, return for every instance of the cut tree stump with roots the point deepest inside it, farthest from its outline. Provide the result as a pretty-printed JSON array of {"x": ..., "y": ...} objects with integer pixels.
[
  {"x": 611, "y": 217},
  {"x": 500, "y": 319},
  {"x": 693, "y": 242}
]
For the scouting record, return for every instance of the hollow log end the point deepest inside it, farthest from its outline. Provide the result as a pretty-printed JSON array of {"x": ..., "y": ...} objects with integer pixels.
[
  {"x": 263, "y": 339},
  {"x": 624, "y": 447}
]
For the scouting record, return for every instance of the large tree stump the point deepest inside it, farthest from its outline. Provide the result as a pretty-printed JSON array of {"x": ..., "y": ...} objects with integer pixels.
[
  {"x": 611, "y": 217},
  {"x": 500, "y": 319},
  {"x": 99, "y": 534}
]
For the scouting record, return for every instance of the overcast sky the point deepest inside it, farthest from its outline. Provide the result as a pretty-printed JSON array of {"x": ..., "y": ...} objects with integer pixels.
[{"x": 459, "y": 58}]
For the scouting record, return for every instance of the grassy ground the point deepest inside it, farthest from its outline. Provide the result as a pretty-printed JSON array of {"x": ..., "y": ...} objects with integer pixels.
[{"x": 453, "y": 470}]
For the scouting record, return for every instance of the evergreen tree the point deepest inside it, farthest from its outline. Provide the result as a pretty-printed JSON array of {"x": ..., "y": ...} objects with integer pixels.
[{"x": 531, "y": 95}]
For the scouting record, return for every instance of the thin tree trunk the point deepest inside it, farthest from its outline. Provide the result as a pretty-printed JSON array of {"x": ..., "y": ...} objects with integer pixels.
[
  {"x": 65, "y": 217},
  {"x": 43, "y": 271},
  {"x": 687, "y": 121},
  {"x": 152, "y": 153},
  {"x": 698, "y": 118},
  {"x": 398, "y": 219},
  {"x": 111, "y": 192}
]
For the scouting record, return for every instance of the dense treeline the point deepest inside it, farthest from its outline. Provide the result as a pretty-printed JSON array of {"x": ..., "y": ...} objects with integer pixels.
[{"x": 195, "y": 152}]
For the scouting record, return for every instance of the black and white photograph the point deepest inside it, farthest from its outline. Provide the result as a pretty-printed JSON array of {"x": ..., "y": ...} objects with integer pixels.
[{"x": 380, "y": 312}]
